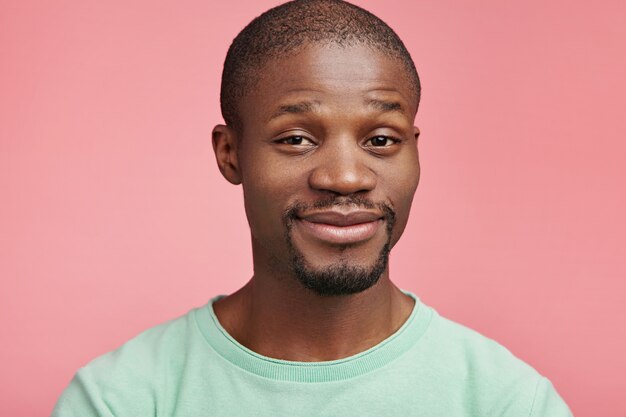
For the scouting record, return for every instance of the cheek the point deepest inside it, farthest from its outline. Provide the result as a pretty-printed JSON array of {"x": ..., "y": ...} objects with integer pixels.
[
  {"x": 402, "y": 191},
  {"x": 268, "y": 190}
]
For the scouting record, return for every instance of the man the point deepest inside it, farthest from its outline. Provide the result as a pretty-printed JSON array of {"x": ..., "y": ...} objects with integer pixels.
[{"x": 319, "y": 99}]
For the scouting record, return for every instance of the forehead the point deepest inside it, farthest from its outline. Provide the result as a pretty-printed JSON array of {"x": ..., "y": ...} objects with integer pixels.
[{"x": 330, "y": 74}]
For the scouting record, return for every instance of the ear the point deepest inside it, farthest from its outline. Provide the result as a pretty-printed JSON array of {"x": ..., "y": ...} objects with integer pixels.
[
  {"x": 225, "y": 148},
  {"x": 416, "y": 132}
]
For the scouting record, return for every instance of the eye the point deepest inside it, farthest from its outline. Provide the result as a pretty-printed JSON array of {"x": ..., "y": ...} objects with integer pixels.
[
  {"x": 381, "y": 141},
  {"x": 296, "y": 141}
]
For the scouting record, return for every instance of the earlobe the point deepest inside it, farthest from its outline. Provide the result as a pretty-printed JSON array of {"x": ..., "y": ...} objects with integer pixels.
[
  {"x": 224, "y": 141},
  {"x": 416, "y": 132}
]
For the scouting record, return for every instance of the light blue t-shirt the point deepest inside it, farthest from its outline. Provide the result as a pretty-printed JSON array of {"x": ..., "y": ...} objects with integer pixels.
[{"x": 191, "y": 367}]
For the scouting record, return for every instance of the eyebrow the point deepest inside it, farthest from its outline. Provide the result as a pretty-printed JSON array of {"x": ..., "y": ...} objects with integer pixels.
[
  {"x": 295, "y": 108},
  {"x": 384, "y": 105},
  {"x": 310, "y": 106}
]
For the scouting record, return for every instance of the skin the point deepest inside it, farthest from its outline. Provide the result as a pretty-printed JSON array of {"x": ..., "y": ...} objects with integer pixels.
[{"x": 326, "y": 122}]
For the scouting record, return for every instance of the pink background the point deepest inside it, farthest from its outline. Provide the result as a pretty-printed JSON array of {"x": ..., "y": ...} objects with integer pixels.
[{"x": 113, "y": 216}]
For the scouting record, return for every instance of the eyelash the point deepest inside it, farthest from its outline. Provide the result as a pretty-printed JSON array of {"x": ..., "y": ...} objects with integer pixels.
[
  {"x": 388, "y": 138},
  {"x": 304, "y": 138},
  {"x": 284, "y": 140}
]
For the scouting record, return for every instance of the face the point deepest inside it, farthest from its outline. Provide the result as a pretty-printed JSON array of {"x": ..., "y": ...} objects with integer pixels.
[{"x": 327, "y": 156}]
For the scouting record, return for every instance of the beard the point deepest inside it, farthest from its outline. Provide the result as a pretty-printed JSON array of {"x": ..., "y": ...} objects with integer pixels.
[{"x": 342, "y": 277}]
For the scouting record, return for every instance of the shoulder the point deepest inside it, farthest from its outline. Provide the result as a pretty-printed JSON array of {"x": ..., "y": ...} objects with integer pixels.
[
  {"x": 149, "y": 353},
  {"x": 488, "y": 374},
  {"x": 132, "y": 377},
  {"x": 472, "y": 353}
]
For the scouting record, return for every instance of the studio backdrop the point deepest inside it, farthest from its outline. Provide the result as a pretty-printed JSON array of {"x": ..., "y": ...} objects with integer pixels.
[{"x": 114, "y": 216}]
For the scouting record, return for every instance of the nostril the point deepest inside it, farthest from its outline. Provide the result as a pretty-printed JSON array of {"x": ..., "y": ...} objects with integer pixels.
[{"x": 342, "y": 179}]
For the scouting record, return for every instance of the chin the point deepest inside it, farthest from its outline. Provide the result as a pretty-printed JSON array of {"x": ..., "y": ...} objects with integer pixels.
[{"x": 340, "y": 278}]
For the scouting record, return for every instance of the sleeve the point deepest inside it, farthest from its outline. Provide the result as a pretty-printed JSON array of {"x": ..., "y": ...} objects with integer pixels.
[
  {"x": 547, "y": 402},
  {"x": 81, "y": 399},
  {"x": 108, "y": 392}
]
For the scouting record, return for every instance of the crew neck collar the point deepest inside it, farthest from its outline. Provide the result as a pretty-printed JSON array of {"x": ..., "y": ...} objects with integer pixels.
[{"x": 373, "y": 358}]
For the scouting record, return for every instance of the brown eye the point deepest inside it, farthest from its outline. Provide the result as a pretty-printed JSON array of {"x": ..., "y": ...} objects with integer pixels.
[
  {"x": 381, "y": 141},
  {"x": 295, "y": 140}
]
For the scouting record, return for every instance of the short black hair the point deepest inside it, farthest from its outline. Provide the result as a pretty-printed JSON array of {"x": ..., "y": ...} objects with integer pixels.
[{"x": 283, "y": 29}]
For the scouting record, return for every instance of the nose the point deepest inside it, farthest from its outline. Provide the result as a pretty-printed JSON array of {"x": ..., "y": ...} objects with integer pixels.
[{"x": 342, "y": 169}]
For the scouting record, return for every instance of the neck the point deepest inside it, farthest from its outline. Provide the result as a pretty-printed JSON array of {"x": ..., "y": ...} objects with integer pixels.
[{"x": 275, "y": 316}]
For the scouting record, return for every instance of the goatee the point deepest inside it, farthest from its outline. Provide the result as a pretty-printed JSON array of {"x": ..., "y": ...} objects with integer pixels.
[{"x": 341, "y": 278}]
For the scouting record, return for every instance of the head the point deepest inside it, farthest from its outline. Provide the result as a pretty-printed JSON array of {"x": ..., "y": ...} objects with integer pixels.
[{"x": 319, "y": 99}]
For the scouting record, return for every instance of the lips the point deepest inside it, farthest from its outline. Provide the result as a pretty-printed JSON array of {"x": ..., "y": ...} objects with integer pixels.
[{"x": 341, "y": 228}]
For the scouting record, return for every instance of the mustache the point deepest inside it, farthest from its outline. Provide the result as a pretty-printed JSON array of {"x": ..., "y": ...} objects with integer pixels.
[{"x": 354, "y": 201}]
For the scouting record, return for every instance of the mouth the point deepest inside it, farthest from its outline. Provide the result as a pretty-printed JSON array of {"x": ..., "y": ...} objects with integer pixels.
[{"x": 341, "y": 228}]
